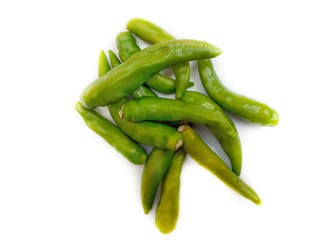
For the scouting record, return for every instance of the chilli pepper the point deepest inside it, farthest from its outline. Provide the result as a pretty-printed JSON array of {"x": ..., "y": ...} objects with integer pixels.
[
  {"x": 114, "y": 60},
  {"x": 246, "y": 108},
  {"x": 208, "y": 159},
  {"x": 153, "y": 34},
  {"x": 167, "y": 212},
  {"x": 113, "y": 135},
  {"x": 231, "y": 145},
  {"x": 127, "y": 46},
  {"x": 141, "y": 91},
  {"x": 154, "y": 170},
  {"x": 118, "y": 82},
  {"x": 163, "y": 109},
  {"x": 158, "y": 161},
  {"x": 103, "y": 64},
  {"x": 149, "y": 133}
]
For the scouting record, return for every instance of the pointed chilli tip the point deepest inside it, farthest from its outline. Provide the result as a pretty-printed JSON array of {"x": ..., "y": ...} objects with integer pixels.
[
  {"x": 258, "y": 201},
  {"x": 102, "y": 53},
  {"x": 274, "y": 119},
  {"x": 146, "y": 209},
  {"x": 217, "y": 51}
]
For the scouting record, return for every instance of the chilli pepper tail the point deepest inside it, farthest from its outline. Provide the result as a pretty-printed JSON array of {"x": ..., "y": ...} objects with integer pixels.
[
  {"x": 103, "y": 64},
  {"x": 207, "y": 158},
  {"x": 274, "y": 119},
  {"x": 147, "y": 206}
]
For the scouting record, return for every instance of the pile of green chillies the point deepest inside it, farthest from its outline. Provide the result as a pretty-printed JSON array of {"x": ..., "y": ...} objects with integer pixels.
[{"x": 126, "y": 88}]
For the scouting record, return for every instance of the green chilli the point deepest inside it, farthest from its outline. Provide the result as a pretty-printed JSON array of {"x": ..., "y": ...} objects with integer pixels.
[
  {"x": 149, "y": 133},
  {"x": 153, "y": 34},
  {"x": 127, "y": 46},
  {"x": 246, "y": 108},
  {"x": 230, "y": 144},
  {"x": 103, "y": 64},
  {"x": 141, "y": 91},
  {"x": 163, "y": 109},
  {"x": 154, "y": 170},
  {"x": 167, "y": 213},
  {"x": 118, "y": 82},
  {"x": 113, "y": 135},
  {"x": 114, "y": 60},
  {"x": 208, "y": 159}
]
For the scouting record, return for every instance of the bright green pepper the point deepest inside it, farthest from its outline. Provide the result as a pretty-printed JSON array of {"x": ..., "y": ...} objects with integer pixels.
[
  {"x": 127, "y": 46},
  {"x": 104, "y": 66},
  {"x": 164, "y": 84},
  {"x": 121, "y": 81},
  {"x": 246, "y": 108},
  {"x": 113, "y": 135},
  {"x": 148, "y": 31},
  {"x": 167, "y": 213},
  {"x": 142, "y": 91},
  {"x": 231, "y": 145},
  {"x": 157, "y": 162},
  {"x": 149, "y": 133},
  {"x": 182, "y": 73},
  {"x": 114, "y": 60},
  {"x": 154, "y": 170},
  {"x": 163, "y": 109},
  {"x": 208, "y": 159},
  {"x": 153, "y": 34}
]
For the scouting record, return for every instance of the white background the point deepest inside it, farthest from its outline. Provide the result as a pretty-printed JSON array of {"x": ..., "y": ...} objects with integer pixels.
[{"x": 59, "y": 180}]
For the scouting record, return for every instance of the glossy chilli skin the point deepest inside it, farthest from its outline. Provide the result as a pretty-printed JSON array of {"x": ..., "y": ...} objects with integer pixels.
[
  {"x": 162, "y": 109},
  {"x": 113, "y": 135},
  {"x": 154, "y": 171},
  {"x": 231, "y": 145},
  {"x": 149, "y": 133},
  {"x": 103, "y": 64},
  {"x": 127, "y": 47},
  {"x": 141, "y": 91},
  {"x": 114, "y": 60},
  {"x": 208, "y": 159},
  {"x": 246, "y": 108},
  {"x": 148, "y": 31},
  {"x": 167, "y": 213},
  {"x": 121, "y": 81},
  {"x": 153, "y": 34}
]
